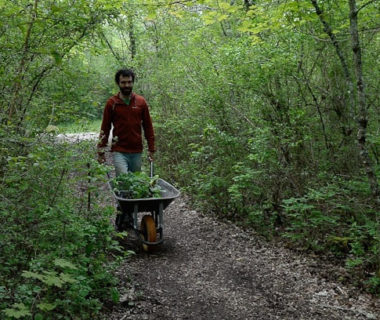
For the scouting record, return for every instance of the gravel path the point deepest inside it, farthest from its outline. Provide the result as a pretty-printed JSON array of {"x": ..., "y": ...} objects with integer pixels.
[
  {"x": 206, "y": 269},
  {"x": 76, "y": 137}
]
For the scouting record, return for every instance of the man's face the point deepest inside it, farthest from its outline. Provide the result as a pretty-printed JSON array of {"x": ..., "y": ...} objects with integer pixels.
[{"x": 125, "y": 85}]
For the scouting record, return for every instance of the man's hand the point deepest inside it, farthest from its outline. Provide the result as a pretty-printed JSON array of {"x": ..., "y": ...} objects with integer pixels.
[
  {"x": 150, "y": 156},
  {"x": 101, "y": 158}
]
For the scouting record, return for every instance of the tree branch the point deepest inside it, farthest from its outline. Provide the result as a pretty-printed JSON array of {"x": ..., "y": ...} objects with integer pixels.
[
  {"x": 364, "y": 5},
  {"x": 328, "y": 30},
  {"x": 117, "y": 57}
]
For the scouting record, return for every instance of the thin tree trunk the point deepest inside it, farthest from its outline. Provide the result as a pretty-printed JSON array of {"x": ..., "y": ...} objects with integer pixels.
[
  {"x": 34, "y": 90},
  {"x": 361, "y": 99},
  {"x": 132, "y": 37},
  {"x": 318, "y": 106},
  {"x": 15, "y": 103}
]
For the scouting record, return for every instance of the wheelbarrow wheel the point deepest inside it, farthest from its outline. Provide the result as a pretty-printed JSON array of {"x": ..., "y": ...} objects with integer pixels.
[{"x": 148, "y": 231}]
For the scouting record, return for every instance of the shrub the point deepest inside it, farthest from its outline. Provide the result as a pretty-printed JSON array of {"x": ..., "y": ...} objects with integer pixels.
[{"x": 57, "y": 251}]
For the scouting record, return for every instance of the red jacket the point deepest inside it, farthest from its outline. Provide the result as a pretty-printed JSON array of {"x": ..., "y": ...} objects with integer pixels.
[{"x": 127, "y": 121}]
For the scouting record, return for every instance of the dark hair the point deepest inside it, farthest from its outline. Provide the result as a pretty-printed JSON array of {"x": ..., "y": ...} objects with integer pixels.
[{"x": 124, "y": 73}]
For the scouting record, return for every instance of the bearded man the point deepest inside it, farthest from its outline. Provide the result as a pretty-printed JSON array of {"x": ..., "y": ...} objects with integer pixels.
[{"x": 128, "y": 113}]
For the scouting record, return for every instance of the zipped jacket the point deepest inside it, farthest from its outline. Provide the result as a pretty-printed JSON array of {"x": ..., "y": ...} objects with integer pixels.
[{"x": 128, "y": 122}]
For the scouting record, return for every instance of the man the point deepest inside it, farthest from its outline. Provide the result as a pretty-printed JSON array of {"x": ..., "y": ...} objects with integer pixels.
[{"x": 128, "y": 113}]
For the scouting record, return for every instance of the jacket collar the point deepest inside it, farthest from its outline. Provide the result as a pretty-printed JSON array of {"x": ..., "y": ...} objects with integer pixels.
[{"x": 132, "y": 96}]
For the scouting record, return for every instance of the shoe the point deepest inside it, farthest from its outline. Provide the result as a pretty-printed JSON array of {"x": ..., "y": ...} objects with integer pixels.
[
  {"x": 118, "y": 222},
  {"x": 128, "y": 220}
]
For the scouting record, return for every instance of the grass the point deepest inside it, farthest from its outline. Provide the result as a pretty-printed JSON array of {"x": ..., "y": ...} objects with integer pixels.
[{"x": 80, "y": 126}]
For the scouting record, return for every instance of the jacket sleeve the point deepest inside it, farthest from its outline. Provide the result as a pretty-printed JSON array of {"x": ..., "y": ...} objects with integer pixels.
[
  {"x": 148, "y": 128},
  {"x": 105, "y": 127}
]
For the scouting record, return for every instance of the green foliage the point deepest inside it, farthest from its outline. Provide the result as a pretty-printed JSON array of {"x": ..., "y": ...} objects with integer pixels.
[
  {"x": 43, "y": 71},
  {"x": 59, "y": 256},
  {"x": 136, "y": 185},
  {"x": 339, "y": 218},
  {"x": 252, "y": 112},
  {"x": 79, "y": 126}
]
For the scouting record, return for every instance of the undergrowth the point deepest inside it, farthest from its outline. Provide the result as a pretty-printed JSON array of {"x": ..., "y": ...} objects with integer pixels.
[
  {"x": 308, "y": 208},
  {"x": 79, "y": 126},
  {"x": 57, "y": 245}
]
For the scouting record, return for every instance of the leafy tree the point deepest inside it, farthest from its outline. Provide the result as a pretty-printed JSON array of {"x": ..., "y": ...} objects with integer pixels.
[
  {"x": 57, "y": 250},
  {"x": 37, "y": 41}
]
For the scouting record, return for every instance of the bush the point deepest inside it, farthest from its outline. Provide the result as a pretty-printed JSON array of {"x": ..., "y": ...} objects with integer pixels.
[
  {"x": 340, "y": 218},
  {"x": 57, "y": 252}
]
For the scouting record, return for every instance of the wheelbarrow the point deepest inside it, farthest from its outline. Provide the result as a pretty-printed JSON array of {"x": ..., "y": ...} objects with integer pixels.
[{"x": 151, "y": 229}]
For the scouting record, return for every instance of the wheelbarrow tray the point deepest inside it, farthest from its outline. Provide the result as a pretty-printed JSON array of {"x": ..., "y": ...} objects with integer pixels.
[{"x": 127, "y": 205}]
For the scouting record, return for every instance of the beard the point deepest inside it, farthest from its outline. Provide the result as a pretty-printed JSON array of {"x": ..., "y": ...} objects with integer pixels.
[{"x": 126, "y": 91}]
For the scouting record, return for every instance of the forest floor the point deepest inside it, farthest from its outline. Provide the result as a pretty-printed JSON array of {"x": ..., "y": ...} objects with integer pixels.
[{"x": 209, "y": 269}]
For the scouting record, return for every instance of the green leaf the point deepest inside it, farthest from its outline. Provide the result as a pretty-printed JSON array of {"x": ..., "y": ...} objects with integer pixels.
[
  {"x": 18, "y": 311},
  {"x": 57, "y": 57},
  {"x": 115, "y": 295},
  {"x": 45, "y": 306},
  {"x": 64, "y": 264},
  {"x": 38, "y": 316},
  {"x": 51, "y": 279},
  {"x": 32, "y": 275},
  {"x": 67, "y": 278},
  {"x": 222, "y": 17}
]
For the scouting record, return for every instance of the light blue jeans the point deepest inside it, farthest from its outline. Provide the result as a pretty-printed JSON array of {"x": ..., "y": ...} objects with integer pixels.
[{"x": 125, "y": 162}]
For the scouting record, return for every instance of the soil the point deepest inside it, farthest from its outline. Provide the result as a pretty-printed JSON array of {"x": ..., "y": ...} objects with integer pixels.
[{"x": 209, "y": 269}]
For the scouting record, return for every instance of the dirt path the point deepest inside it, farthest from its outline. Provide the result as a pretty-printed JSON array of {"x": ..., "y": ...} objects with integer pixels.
[{"x": 211, "y": 270}]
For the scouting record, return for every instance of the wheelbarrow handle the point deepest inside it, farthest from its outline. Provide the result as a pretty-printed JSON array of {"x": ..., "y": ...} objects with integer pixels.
[{"x": 151, "y": 168}]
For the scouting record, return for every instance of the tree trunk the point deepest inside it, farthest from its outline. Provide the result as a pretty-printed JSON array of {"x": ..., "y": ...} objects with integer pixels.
[{"x": 361, "y": 99}]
